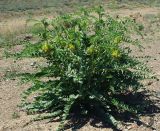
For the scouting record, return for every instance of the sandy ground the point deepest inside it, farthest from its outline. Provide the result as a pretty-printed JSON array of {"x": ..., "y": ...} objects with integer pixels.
[{"x": 13, "y": 119}]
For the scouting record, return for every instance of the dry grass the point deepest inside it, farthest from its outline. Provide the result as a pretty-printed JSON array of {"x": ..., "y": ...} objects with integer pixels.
[{"x": 13, "y": 26}]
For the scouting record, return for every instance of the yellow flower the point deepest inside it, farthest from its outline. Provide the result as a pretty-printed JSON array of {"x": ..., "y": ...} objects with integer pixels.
[
  {"x": 46, "y": 47},
  {"x": 118, "y": 40},
  {"x": 116, "y": 54},
  {"x": 90, "y": 50},
  {"x": 71, "y": 47}
]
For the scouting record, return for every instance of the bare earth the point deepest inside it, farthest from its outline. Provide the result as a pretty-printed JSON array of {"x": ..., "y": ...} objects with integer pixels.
[{"x": 13, "y": 119}]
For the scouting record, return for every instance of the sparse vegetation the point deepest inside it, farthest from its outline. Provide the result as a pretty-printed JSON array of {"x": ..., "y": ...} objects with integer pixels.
[{"x": 18, "y": 5}]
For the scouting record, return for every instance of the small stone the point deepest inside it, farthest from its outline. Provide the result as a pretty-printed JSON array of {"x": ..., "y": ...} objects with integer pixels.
[
  {"x": 33, "y": 63},
  {"x": 129, "y": 127}
]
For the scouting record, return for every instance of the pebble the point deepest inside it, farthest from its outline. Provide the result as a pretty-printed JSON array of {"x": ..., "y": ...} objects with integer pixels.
[{"x": 33, "y": 63}]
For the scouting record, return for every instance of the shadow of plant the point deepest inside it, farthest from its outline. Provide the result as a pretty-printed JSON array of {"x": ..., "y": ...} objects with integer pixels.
[{"x": 145, "y": 101}]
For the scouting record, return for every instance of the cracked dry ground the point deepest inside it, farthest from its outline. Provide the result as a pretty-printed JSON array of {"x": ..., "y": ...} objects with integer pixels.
[{"x": 13, "y": 119}]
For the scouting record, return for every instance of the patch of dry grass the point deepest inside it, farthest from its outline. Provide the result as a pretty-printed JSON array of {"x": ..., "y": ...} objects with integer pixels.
[{"x": 13, "y": 26}]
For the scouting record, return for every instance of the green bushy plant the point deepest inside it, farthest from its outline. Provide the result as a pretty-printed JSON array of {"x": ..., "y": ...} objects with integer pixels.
[{"x": 88, "y": 53}]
